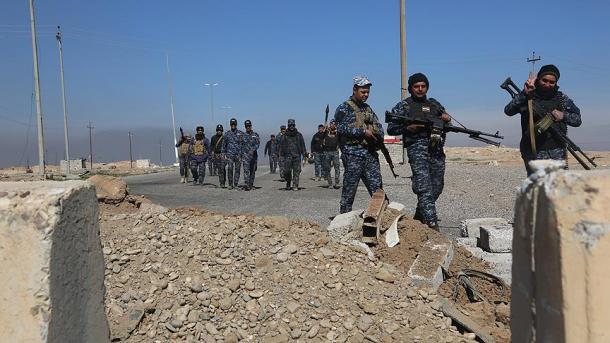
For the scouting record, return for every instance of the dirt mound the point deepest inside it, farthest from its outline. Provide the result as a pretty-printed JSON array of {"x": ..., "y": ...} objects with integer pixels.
[
  {"x": 194, "y": 275},
  {"x": 491, "y": 315}
]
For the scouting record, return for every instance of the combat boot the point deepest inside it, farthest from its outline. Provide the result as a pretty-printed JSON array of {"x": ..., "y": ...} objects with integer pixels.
[
  {"x": 336, "y": 186},
  {"x": 295, "y": 188},
  {"x": 183, "y": 180},
  {"x": 288, "y": 185}
]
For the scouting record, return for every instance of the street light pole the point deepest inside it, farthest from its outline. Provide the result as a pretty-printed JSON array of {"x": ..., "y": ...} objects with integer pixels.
[
  {"x": 41, "y": 160},
  {"x": 403, "y": 51},
  {"x": 171, "y": 100},
  {"x": 211, "y": 85},
  {"x": 63, "y": 99},
  {"x": 226, "y": 112}
]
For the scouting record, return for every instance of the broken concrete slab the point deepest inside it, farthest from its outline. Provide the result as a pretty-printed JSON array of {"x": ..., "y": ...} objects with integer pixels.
[
  {"x": 561, "y": 253},
  {"x": 471, "y": 227},
  {"x": 342, "y": 227},
  {"x": 496, "y": 238},
  {"x": 464, "y": 321},
  {"x": 427, "y": 269},
  {"x": 52, "y": 273},
  {"x": 109, "y": 189}
]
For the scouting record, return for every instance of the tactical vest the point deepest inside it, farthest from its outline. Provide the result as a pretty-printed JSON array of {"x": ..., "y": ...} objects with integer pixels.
[
  {"x": 199, "y": 148},
  {"x": 217, "y": 143},
  {"x": 364, "y": 120},
  {"x": 331, "y": 141},
  {"x": 183, "y": 149}
]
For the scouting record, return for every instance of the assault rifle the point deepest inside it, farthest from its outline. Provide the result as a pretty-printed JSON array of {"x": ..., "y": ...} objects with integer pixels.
[
  {"x": 545, "y": 123},
  {"x": 437, "y": 126}
]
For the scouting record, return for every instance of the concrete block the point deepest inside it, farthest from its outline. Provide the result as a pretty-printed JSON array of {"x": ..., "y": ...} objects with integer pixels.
[
  {"x": 346, "y": 226},
  {"x": 561, "y": 249},
  {"x": 467, "y": 241},
  {"x": 52, "y": 272},
  {"x": 143, "y": 164},
  {"x": 496, "y": 238},
  {"x": 471, "y": 227},
  {"x": 76, "y": 166},
  {"x": 427, "y": 269}
]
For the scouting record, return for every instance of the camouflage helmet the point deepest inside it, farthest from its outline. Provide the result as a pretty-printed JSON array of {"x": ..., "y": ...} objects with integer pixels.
[
  {"x": 291, "y": 122},
  {"x": 233, "y": 121}
]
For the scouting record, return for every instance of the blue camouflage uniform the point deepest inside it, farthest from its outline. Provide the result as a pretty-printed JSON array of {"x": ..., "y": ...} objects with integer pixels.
[
  {"x": 425, "y": 153},
  {"x": 360, "y": 160},
  {"x": 251, "y": 142},
  {"x": 547, "y": 147},
  {"x": 232, "y": 147},
  {"x": 198, "y": 153}
]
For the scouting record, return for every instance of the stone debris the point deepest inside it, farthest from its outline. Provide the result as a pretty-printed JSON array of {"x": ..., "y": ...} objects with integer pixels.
[
  {"x": 109, "y": 189},
  {"x": 201, "y": 276},
  {"x": 496, "y": 238},
  {"x": 427, "y": 270}
]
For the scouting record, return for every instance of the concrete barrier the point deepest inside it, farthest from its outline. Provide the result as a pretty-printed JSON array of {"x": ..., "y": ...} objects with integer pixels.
[
  {"x": 561, "y": 249},
  {"x": 52, "y": 273}
]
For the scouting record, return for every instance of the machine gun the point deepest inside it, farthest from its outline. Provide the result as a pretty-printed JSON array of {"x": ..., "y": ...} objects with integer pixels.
[
  {"x": 546, "y": 124},
  {"x": 437, "y": 126}
]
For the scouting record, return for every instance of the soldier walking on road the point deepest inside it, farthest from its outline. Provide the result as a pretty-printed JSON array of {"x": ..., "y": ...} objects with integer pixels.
[
  {"x": 251, "y": 143},
  {"x": 280, "y": 160},
  {"x": 318, "y": 152},
  {"x": 546, "y": 99},
  {"x": 183, "y": 149},
  {"x": 232, "y": 147},
  {"x": 198, "y": 153},
  {"x": 424, "y": 148},
  {"x": 292, "y": 149},
  {"x": 218, "y": 153},
  {"x": 359, "y": 134},
  {"x": 330, "y": 146},
  {"x": 271, "y": 151}
]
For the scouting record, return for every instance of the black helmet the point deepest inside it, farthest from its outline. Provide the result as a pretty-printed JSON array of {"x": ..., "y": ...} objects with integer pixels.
[
  {"x": 233, "y": 121},
  {"x": 219, "y": 127},
  {"x": 247, "y": 123},
  {"x": 199, "y": 128}
]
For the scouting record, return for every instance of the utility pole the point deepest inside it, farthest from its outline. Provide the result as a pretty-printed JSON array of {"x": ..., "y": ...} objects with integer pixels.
[
  {"x": 171, "y": 101},
  {"x": 160, "y": 156},
  {"x": 90, "y": 145},
  {"x": 211, "y": 85},
  {"x": 130, "y": 155},
  {"x": 63, "y": 99},
  {"x": 41, "y": 160},
  {"x": 403, "y": 51},
  {"x": 533, "y": 61}
]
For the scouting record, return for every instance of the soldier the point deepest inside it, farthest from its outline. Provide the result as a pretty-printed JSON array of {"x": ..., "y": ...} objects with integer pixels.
[
  {"x": 183, "y": 148},
  {"x": 251, "y": 143},
  {"x": 271, "y": 151},
  {"x": 212, "y": 164},
  {"x": 219, "y": 159},
  {"x": 292, "y": 149},
  {"x": 359, "y": 135},
  {"x": 546, "y": 97},
  {"x": 424, "y": 148},
  {"x": 280, "y": 161},
  {"x": 330, "y": 145},
  {"x": 232, "y": 147},
  {"x": 198, "y": 154},
  {"x": 318, "y": 152}
]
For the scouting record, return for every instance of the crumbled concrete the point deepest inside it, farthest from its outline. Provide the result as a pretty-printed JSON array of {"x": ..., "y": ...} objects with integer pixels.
[
  {"x": 345, "y": 225},
  {"x": 109, "y": 189},
  {"x": 561, "y": 253},
  {"x": 469, "y": 242},
  {"x": 427, "y": 269},
  {"x": 52, "y": 273},
  {"x": 500, "y": 263},
  {"x": 143, "y": 164},
  {"x": 471, "y": 227},
  {"x": 496, "y": 238}
]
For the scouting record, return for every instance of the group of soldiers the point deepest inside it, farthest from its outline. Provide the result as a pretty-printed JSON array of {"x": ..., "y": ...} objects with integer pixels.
[
  {"x": 226, "y": 154},
  {"x": 360, "y": 132},
  {"x": 355, "y": 135}
]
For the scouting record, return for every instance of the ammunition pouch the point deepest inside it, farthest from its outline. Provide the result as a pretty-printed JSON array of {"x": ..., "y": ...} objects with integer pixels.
[{"x": 198, "y": 149}]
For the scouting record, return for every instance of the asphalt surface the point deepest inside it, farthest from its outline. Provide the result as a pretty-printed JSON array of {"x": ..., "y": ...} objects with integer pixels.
[{"x": 471, "y": 191}]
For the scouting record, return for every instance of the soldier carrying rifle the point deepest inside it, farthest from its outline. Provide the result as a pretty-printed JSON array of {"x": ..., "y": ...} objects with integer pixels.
[{"x": 541, "y": 101}]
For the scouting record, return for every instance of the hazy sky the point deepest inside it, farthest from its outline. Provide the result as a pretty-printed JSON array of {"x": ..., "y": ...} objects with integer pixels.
[{"x": 278, "y": 59}]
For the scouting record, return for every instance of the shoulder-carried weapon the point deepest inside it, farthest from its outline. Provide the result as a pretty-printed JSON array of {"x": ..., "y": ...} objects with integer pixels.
[
  {"x": 436, "y": 125},
  {"x": 545, "y": 123}
]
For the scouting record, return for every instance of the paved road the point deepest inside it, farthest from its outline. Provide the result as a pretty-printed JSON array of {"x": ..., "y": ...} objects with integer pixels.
[{"x": 470, "y": 192}]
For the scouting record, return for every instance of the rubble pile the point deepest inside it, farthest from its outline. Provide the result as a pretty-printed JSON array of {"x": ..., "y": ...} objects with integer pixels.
[{"x": 192, "y": 275}]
